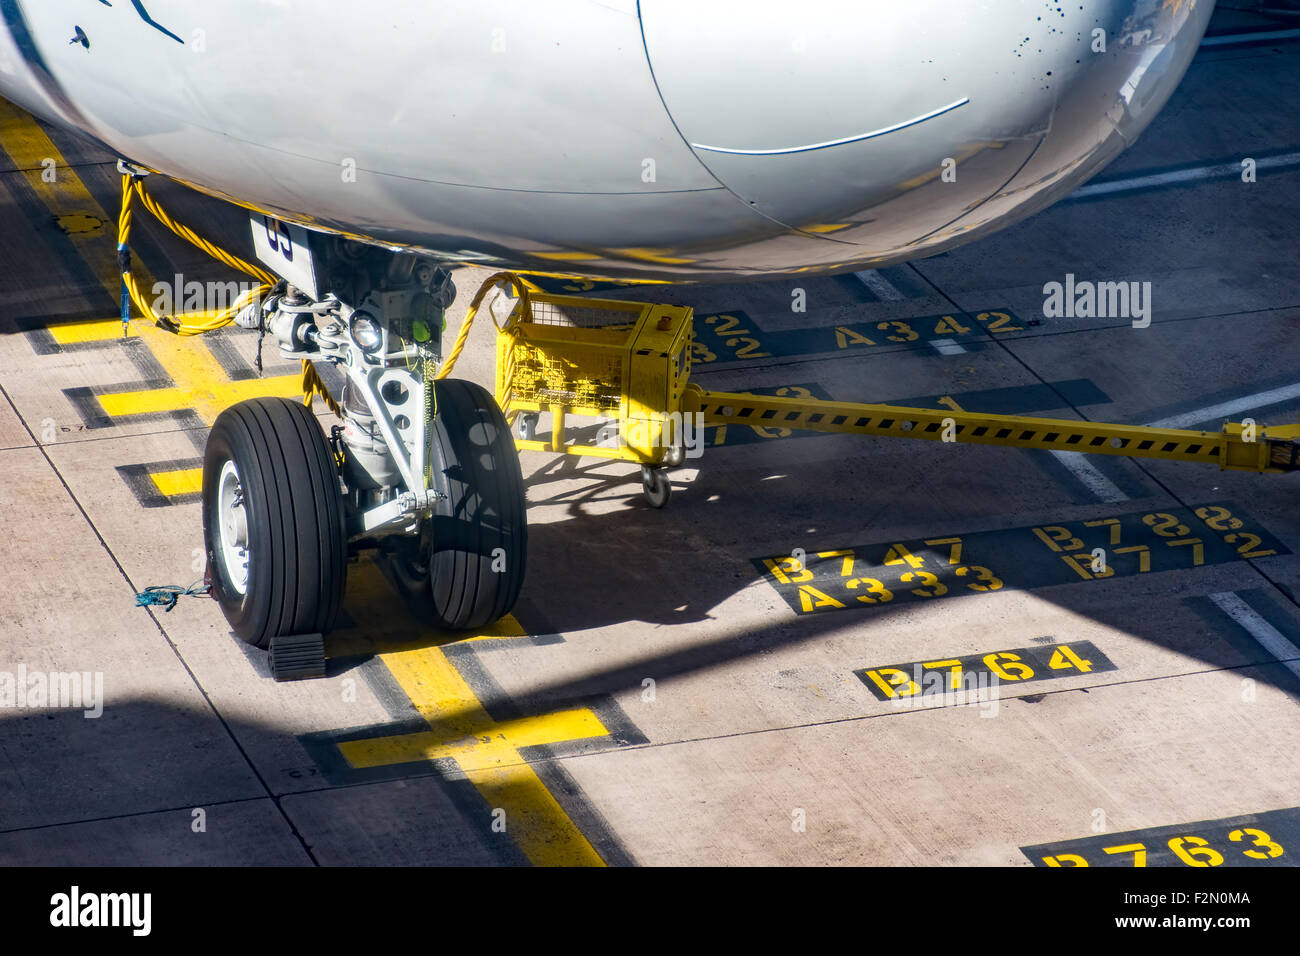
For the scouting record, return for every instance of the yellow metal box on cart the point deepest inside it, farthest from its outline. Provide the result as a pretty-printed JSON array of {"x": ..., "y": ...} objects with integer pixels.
[{"x": 622, "y": 362}]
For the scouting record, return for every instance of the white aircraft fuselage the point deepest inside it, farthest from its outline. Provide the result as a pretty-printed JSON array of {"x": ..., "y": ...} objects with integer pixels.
[{"x": 672, "y": 139}]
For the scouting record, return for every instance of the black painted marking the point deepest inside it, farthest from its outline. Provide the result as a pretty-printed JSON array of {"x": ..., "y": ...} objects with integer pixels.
[
  {"x": 1136, "y": 543},
  {"x": 748, "y": 434},
  {"x": 323, "y": 745},
  {"x": 1274, "y": 842},
  {"x": 39, "y": 332},
  {"x": 137, "y": 478},
  {"x": 221, "y": 344},
  {"x": 330, "y": 764},
  {"x": 917, "y": 681},
  {"x": 727, "y": 337},
  {"x": 86, "y": 401}
]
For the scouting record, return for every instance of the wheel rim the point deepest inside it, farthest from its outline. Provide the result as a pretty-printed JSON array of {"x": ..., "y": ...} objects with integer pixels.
[{"x": 232, "y": 522}]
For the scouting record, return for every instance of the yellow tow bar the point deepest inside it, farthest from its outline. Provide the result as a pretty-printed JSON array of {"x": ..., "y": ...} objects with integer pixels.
[{"x": 629, "y": 362}]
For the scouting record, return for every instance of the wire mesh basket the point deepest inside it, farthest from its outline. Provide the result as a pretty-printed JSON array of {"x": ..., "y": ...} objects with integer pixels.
[{"x": 601, "y": 358}]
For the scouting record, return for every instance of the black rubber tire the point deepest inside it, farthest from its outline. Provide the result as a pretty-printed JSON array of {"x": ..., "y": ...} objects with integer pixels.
[
  {"x": 297, "y": 540},
  {"x": 658, "y": 489},
  {"x": 482, "y": 521}
]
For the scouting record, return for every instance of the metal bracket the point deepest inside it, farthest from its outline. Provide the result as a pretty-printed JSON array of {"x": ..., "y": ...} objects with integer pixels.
[
  {"x": 400, "y": 513},
  {"x": 401, "y": 423}
]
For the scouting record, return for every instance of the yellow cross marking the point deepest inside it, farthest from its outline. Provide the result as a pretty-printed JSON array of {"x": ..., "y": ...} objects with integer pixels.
[{"x": 486, "y": 751}]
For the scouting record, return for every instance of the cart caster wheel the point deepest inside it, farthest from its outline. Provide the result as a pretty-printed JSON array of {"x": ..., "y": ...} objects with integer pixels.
[
  {"x": 528, "y": 425},
  {"x": 655, "y": 483},
  {"x": 674, "y": 456}
]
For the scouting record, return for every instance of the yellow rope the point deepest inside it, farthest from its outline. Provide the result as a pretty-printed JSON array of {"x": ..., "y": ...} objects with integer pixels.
[
  {"x": 192, "y": 237},
  {"x": 133, "y": 187},
  {"x": 313, "y": 384},
  {"x": 523, "y": 286}
]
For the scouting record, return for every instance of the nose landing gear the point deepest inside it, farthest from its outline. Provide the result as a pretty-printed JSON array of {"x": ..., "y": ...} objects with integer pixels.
[{"x": 424, "y": 470}]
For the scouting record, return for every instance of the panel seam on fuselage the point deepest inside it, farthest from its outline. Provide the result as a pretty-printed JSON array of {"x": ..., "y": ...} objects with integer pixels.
[
  {"x": 786, "y": 150},
  {"x": 786, "y": 228}
]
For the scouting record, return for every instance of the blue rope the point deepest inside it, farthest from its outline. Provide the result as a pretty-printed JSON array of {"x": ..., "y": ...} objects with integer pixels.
[
  {"x": 123, "y": 265},
  {"x": 165, "y": 595}
]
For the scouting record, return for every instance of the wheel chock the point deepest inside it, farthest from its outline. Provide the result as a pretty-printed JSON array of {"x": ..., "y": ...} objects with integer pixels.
[{"x": 298, "y": 657}]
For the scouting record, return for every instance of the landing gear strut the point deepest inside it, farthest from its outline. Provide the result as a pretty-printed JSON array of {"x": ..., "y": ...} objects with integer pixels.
[{"x": 468, "y": 565}]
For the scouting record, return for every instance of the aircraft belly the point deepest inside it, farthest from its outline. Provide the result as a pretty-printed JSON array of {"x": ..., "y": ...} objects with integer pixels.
[{"x": 505, "y": 131}]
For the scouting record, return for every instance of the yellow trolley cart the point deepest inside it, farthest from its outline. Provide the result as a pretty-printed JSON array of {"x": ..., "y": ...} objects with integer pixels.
[{"x": 626, "y": 364}]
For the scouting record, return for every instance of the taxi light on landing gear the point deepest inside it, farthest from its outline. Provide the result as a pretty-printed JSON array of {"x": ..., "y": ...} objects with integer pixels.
[{"x": 366, "y": 332}]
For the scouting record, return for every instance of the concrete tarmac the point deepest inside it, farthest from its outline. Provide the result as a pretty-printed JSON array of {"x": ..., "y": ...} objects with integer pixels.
[{"x": 660, "y": 695}]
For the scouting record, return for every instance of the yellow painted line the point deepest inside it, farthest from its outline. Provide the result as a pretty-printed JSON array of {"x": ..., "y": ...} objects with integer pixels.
[
  {"x": 534, "y": 818},
  {"x": 580, "y": 278},
  {"x": 495, "y": 747},
  {"x": 207, "y": 398},
  {"x": 201, "y": 382},
  {"x": 825, "y": 227},
  {"x": 506, "y": 627},
  {"x": 76, "y": 333},
  {"x": 187, "y": 481},
  {"x": 67, "y": 197},
  {"x": 486, "y": 751},
  {"x": 25, "y": 138}
]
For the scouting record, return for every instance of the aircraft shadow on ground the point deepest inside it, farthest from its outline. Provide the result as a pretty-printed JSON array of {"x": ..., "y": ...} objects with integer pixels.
[{"x": 623, "y": 561}]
